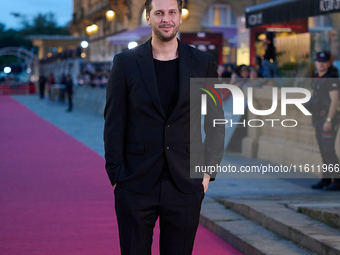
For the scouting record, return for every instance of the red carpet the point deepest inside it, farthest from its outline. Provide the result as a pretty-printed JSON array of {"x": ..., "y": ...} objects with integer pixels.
[{"x": 55, "y": 197}]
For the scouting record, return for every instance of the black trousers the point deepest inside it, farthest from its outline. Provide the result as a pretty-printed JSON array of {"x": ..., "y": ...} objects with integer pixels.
[
  {"x": 42, "y": 90},
  {"x": 178, "y": 218},
  {"x": 326, "y": 142},
  {"x": 70, "y": 103}
]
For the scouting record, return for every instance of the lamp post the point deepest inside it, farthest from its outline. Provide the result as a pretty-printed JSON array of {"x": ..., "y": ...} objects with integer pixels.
[
  {"x": 185, "y": 11},
  {"x": 110, "y": 15},
  {"x": 92, "y": 29},
  {"x": 84, "y": 45}
]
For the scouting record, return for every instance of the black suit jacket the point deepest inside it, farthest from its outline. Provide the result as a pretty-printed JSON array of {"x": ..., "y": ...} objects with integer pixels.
[{"x": 137, "y": 132}]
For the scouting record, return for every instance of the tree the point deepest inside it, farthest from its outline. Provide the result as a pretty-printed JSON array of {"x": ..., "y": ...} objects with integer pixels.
[
  {"x": 43, "y": 24},
  {"x": 2, "y": 28},
  {"x": 11, "y": 38}
]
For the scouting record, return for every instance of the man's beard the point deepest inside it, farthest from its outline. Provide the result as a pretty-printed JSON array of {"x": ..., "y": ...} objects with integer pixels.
[{"x": 161, "y": 36}]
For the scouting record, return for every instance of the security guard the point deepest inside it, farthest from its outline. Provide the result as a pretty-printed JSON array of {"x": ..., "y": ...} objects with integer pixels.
[{"x": 324, "y": 108}]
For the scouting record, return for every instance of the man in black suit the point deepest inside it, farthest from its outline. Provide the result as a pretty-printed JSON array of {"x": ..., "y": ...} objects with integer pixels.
[{"x": 147, "y": 137}]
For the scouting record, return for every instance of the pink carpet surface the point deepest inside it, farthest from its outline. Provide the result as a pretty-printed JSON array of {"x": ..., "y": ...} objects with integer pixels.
[{"x": 55, "y": 197}]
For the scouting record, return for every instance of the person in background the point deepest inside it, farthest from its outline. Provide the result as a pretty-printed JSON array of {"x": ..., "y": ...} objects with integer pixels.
[
  {"x": 258, "y": 66},
  {"x": 324, "y": 105},
  {"x": 81, "y": 78},
  {"x": 220, "y": 70},
  {"x": 50, "y": 82},
  {"x": 334, "y": 70},
  {"x": 253, "y": 74},
  {"x": 269, "y": 62},
  {"x": 229, "y": 68},
  {"x": 225, "y": 78},
  {"x": 240, "y": 77},
  {"x": 62, "y": 91},
  {"x": 105, "y": 79},
  {"x": 244, "y": 71},
  {"x": 255, "y": 80},
  {"x": 228, "y": 71},
  {"x": 63, "y": 79},
  {"x": 69, "y": 91},
  {"x": 42, "y": 81}
]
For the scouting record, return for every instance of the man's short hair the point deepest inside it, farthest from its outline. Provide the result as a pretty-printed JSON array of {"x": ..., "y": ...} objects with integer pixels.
[{"x": 148, "y": 6}]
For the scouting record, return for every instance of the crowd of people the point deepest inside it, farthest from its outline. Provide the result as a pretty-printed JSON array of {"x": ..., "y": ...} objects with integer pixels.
[
  {"x": 242, "y": 76},
  {"x": 324, "y": 104},
  {"x": 66, "y": 86},
  {"x": 246, "y": 76},
  {"x": 97, "y": 79},
  {"x": 57, "y": 88}
]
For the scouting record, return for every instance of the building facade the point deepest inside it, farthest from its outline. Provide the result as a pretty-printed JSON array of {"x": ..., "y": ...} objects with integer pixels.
[{"x": 110, "y": 25}]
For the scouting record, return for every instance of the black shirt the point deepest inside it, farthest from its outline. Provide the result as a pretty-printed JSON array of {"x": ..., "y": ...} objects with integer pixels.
[
  {"x": 167, "y": 75},
  {"x": 167, "y": 83},
  {"x": 270, "y": 52},
  {"x": 322, "y": 86}
]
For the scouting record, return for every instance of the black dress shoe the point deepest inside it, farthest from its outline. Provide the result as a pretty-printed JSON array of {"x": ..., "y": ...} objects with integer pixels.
[
  {"x": 332, "y": 187},
  {"x": 321, "y": 184}
]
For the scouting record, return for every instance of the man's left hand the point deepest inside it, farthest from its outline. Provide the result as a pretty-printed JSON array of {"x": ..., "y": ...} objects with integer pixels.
[
  {"x": 205, "y": 182},
  {"x": 327, "y": 126}
]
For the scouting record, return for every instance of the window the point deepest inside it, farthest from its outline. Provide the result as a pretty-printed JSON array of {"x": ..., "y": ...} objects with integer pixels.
[
  {"x": 319, "y": 23},
  {"x": 219, "y": 15}
]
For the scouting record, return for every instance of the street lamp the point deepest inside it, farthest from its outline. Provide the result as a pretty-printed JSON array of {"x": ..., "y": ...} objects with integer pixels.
[
  {"x": 110, "y": 15},
  {"x": 7, "y": 70},
  {"x": 94, "y": 28},
  {"x": 185, "y": 11},
  {"x": 91, "y": 29},
  {"x": 84, "y": 44}
]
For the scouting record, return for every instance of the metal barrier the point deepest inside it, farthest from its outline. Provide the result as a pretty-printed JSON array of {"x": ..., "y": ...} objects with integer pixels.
[
  {"x": 56, "y": 92},
  {"x": 15, "y": 88}
]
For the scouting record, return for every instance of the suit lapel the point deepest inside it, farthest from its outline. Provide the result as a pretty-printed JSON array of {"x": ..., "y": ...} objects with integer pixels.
[
  {"x": 186, "y": 64},
  {"x": 147, "y": 70}
]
